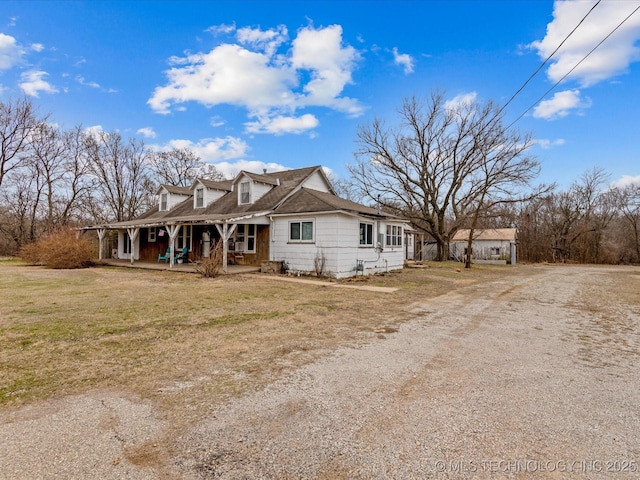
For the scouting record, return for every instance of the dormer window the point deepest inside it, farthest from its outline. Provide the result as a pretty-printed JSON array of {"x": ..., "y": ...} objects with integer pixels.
[
  {"x": 245, "y": 192},
  {"x": 199, "y": 197},
  {"x": 164, "y": 197}
]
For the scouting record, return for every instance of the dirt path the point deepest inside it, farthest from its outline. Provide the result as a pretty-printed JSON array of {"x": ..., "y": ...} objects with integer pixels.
[{"x": 535, "y": 376}]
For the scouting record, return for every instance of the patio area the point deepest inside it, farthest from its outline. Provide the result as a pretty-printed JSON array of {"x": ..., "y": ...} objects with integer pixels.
[{"x": 179, "y": 267}]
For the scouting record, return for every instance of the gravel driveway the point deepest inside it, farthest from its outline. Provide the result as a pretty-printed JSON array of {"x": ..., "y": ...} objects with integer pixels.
[{"x": 534, "y": 376}]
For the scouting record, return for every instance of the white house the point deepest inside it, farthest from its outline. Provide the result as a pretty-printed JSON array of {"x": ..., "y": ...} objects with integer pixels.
[
  {"x": 492, "y": 245},
  {"x": 293, "y": 216}
]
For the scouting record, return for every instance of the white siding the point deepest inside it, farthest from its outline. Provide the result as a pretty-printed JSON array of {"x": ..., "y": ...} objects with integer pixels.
[
  {"x": 258, "y": 190},
  {"x": 483, "y": 249},
  {"x": 316, "y": 182},
  {"x": 173, "y": 199},
  {"x": 211, "y": 195},
  {"x": 124, "y": 236},
  {"x": 337, "y": 237}
]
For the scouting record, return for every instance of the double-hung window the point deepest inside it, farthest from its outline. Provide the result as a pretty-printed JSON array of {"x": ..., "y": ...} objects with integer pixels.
[
  {"x": 394, "y": 236},
  {"x": 164, "y": 198},
  {"x": 366, "y": 234},
  {"x": 301, "y": 231},
  {"x": 245, "y": 192},
  {"x": 199, "y": 197}
]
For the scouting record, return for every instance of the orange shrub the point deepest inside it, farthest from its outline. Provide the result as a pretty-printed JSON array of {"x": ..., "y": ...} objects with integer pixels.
[{"x": 60, "y": 250}]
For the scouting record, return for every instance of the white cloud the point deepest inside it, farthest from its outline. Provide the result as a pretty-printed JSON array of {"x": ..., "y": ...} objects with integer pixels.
[
  {"x": 227, "y": 74},
  {"x": 560, "y": 105},
  {"x": 81, "y": 80},
  {"x": 37, "y": 47},
  {"x": 321, "y": 53},
  {"x": 267, "y": 41},
  {"x": 210, "y": 149},
  {"x": 33, "y": 83},
  {"x": 221, "y": 29},
  {"x": 269, "y": 86},
  {"x": 216, "y": 121},
  {"x": 10, "y": 52},
  {"x": 282, "y": 124},
  {"x": 611, "y": 58},
  {"x": 462, "y": 100},
  {"x": 231, "y": 169},
  {"x": 94, "y": 130},
  {"x": 627, "y": 180},
  {"x": 547, "y": 144},
  {"x": 147, "y": 132},
  {"x": 403, "y": 59}
]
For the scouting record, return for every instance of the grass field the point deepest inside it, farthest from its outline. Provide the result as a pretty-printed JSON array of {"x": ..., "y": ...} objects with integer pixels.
[{"x": 153, "y": 333}]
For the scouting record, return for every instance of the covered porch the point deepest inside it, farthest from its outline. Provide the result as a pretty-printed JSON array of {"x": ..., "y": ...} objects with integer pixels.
[{"x": 162, "y": 244}]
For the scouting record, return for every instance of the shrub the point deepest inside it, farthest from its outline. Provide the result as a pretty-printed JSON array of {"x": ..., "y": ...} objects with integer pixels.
[
  {"x": 60, "y": 250},
  {"x": 210, "y": 267},
  {"x": 319, "y": 263}
]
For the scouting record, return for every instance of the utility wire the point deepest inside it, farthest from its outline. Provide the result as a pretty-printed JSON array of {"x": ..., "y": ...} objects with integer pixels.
[
  {"x": 574, "y": 67},
  {"x": 547, "y": 59}
]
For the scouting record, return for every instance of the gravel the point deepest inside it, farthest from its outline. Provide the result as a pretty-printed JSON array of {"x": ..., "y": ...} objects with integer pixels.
[{"x": 516, "y": 378}]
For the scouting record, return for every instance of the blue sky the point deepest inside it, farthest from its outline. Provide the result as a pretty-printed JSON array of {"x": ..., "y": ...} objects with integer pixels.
[{"x": 273, "y": 84}]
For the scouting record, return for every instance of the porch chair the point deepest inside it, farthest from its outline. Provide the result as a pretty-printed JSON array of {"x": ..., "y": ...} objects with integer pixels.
[
  {"x": 182, "y": 255},
  {"x": 166, "y": 256}
]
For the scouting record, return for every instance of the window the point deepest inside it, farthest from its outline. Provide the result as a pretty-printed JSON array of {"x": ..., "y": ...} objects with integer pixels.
[
  {"x": 301, "y": 232},
  {"x": 250, "y": 245},
  {"x": 394, "y": 236},
  {"x": 245, "y": 196},
  {"x": 495, "y": 250},
  {"x": 246, "y": 237},
  {"x": 152, "y": 234},
  {"x": 163, "y": 202},
  {"x": 184, "y": 237},
  {"x": 366, "y": 234},
  {"x": 199, "y": 197}
]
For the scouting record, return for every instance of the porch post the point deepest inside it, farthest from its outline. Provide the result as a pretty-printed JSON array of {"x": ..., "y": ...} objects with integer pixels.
[
  {"x": 173, "y": 231},
  {"x": 225, "y": 232},
  {"x": 133, "y": 235},
  {"x": 101, "y": 232}
]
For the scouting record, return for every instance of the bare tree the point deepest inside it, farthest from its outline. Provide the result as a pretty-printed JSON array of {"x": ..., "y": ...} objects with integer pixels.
[
  {"x": 442, "y": 165},
  {"x": 120, "y": 169},
  {"x": 180, "y": 167},
  {"x": 47, "y": 162},
  {"x": 78, "y": 182},
  {"x": 17, "y": 121},
  {"x": 629, "y": 207},
  {"x": 18, "y": 206}
]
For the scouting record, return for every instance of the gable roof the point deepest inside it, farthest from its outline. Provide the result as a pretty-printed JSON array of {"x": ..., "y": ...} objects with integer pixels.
[
  {"x": 256, "y": 177},
  {"x": 308, "y": 200},
  {"x": 223, "y": 185},
  {"x": 175, "y": 189},
  {"x": 226, "y": 207},
  {"x": 498, "y": 234}
]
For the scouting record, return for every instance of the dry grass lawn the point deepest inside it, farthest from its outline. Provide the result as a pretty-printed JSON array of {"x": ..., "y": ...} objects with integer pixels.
[{"x": 183, "y": 341}]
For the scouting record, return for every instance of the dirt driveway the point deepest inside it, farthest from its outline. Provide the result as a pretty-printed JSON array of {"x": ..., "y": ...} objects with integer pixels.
[{"x": 533, "y": 376}]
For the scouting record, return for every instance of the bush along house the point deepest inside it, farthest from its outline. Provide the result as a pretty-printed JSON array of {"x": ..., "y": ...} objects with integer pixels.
[{"x": 292, "y": 216}]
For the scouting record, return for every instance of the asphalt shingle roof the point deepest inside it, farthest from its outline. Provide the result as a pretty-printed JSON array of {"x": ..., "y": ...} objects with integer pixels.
[{"x": 286, "y": 196}]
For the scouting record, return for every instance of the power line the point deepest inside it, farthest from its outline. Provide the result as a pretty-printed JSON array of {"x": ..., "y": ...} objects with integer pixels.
[
  {"x": 574, "y": 67},
  {"x": 548, "y": 58}
]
